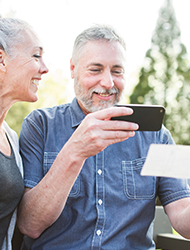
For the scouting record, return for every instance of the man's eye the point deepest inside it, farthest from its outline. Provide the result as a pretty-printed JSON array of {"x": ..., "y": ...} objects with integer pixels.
[
  {"x": 118, "y": 72},
  {"x": 95, "y": 70}
]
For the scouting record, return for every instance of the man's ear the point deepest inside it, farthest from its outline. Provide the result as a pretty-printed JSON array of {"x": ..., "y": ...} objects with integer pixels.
[
  {"x": 2, "y": 60},
  {"x": 72, "y": 68}
]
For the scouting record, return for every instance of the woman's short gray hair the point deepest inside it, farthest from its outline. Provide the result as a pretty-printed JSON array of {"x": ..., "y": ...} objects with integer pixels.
[
  {"x": 94, "y": 33},
  {"x": 11, "y": 34}
]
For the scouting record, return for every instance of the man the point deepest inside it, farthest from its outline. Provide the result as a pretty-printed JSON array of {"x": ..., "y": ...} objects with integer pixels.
[{"x": 82, "y": 170}]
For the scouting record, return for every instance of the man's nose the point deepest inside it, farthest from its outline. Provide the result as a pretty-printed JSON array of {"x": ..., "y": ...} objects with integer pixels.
[{"x": 107, "y": 80}]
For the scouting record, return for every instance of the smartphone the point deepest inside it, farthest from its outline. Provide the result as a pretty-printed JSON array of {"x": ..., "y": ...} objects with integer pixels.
[{"x": 148, "y": 117}]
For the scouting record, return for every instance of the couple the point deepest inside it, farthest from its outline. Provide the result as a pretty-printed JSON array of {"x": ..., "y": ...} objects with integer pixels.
[{"x": 83, "y": 188}]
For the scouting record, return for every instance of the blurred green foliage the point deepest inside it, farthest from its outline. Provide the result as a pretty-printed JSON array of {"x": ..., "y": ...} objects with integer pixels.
[
  {"x": 165, "y": 76},
  {"x": 53, "y": 90}
]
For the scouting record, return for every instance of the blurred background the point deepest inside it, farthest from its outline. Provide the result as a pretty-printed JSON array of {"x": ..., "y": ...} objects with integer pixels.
[{"x": 157, "y": 35}]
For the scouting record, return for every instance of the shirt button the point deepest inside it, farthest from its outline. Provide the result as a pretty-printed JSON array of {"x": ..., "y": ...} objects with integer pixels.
[
  {"x": 99, "y": 171},
  {"x": 100, "y": 202},
  {"x": 98, "y": 232}
]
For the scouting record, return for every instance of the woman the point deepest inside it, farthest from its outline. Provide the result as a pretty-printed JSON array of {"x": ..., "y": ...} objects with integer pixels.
[{"x": 21, "y": 68}]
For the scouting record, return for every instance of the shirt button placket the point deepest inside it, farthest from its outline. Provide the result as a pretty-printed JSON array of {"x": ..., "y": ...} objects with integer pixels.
[{"x": 97, "y": 238}]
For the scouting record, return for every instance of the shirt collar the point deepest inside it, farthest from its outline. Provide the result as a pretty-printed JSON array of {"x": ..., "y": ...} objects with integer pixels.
[{"x": 77, "y": 115}]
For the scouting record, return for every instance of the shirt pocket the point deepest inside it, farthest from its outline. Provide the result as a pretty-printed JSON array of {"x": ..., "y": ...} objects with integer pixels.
[
  {"x": 49, "y": 158},
  {"x": 135, "y": 185}
]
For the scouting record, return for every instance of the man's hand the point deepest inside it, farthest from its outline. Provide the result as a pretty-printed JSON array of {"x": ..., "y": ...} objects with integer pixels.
[{"x": 97, "y": 131}]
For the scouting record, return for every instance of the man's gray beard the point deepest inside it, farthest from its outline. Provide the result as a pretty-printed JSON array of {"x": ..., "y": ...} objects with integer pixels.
[
  {"x": 86, "y": 99},
  {"x": 90, "y": 107}
]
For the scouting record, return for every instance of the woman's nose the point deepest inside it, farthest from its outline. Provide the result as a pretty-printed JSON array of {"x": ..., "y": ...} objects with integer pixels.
[{"x": 43, "y": 68}]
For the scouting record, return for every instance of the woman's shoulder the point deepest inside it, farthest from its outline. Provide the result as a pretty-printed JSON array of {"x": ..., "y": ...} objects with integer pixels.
[{"x": 10, "y": 133}]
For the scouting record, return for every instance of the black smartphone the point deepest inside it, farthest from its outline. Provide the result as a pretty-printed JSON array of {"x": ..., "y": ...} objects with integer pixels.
[{"x": 148, "y": 117}]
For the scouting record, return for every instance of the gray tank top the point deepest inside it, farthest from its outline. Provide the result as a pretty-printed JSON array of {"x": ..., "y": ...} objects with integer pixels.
[{"x": 11, "y": 191}]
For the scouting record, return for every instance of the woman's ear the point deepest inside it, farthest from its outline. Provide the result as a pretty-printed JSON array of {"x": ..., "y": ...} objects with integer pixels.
[{"x": 2, "y": 60}]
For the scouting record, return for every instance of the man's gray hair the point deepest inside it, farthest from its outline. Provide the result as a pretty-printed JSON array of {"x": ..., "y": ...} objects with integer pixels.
[
  {"x": 95, "y": 33},
  {"x": 11, "y": 34}
]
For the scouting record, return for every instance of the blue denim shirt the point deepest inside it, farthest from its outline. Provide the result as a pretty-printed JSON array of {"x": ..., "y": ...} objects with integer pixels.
[{"x": 111, "y": 206}]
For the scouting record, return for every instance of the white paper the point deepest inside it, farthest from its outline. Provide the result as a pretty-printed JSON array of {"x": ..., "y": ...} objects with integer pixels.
[{"x": 168, "y": 161}]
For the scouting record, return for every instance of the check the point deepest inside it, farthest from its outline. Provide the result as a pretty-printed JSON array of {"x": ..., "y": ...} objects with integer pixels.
[{"x": 168, "y": 161}]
